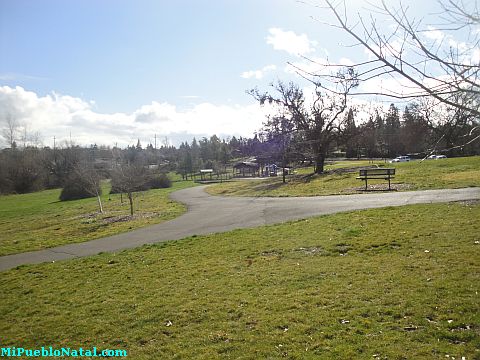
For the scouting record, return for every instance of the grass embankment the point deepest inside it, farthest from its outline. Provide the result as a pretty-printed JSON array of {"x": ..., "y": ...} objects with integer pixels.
[
  {"x": 39, "y": 220},
  {"x": 396, "y": 283},
  {"x": 414, "y": 175}
]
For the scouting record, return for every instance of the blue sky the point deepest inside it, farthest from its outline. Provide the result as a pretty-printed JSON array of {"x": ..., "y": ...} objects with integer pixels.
[
  {"x": 124, "y": 54},
  {"x": 121, "y": 70}
]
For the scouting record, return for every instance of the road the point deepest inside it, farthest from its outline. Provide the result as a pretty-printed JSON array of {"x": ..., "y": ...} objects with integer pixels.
[{"x": 208, "y": 214}]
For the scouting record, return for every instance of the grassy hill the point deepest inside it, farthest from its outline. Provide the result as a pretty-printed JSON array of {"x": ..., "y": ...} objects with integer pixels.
[
  {"x": 340, "y": 178},
  {"x": 39, "y": 220},
  {"x": 393, "y": 283}
]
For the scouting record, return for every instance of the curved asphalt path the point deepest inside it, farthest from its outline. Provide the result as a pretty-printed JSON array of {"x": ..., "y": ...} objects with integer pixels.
[{"x": 210, "y": 214}]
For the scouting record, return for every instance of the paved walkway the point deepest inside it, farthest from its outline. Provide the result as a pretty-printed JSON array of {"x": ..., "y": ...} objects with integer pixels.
[{"x": 210, "y": 214}]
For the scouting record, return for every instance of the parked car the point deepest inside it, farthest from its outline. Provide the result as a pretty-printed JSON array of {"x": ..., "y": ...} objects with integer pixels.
[
  {"x": 400, "y": 159},
  {"x": 436, "y": 157}
]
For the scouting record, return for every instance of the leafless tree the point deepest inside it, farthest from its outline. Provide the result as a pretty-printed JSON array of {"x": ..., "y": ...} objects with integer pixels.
[
  {"x": 319, "y": 120},
  {"x": 24, "y": 135},
  {"x": 129, "y": 177},
  {"x": 280, "y": 130},
  {"x": 92, "y": 179},
  {"x": 83, "y": 181},
  {"x": 10, "y": 130},
  {"x": 36, "y": 139},
  {"x": 438, "y": 60}
]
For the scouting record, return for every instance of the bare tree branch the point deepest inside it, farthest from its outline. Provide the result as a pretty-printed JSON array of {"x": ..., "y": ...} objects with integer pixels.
[{"x": 436, "y": 72}]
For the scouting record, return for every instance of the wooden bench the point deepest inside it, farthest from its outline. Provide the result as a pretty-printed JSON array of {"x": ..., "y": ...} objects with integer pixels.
[{"x": 380, "y": 173}]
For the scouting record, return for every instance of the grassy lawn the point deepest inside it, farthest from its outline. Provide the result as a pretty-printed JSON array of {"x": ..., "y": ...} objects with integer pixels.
[
  {"x": 414, "y": 175},
  {"x": 39, "y": 220},
  {"x": 393, "y": 283}
]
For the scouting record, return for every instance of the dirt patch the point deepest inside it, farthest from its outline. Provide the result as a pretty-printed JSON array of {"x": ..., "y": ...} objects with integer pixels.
[
  {"x": 123, "y": 218},
  {"x": 310, "y": 250},
  {"x": 111, "y": 218},
  {"x": 380, "y": 187},
  {"x": 271, "y": 253},
  {"x": 93, "y": 215}
]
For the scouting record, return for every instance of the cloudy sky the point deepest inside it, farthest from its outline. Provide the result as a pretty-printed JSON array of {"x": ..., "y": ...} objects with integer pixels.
[{"x": 112, "y": 71}]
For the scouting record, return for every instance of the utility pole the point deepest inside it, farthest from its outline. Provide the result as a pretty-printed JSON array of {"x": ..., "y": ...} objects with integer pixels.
[
  {"x": 155, "y": 141},
  {"x": 54, "y": 151}
]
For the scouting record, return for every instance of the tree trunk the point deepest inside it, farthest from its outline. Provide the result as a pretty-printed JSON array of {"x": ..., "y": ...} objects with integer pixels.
[
  {"x": 319, "y": 162},
  {"x": 130, "y": 199},
  {"x": 100, "y": 203}
]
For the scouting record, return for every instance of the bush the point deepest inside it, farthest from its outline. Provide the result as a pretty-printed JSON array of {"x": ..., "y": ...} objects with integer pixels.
[
  {"x": 27, "y": 181},
  {"x": 118, "y": 187},
  {"x": 6, "y": 186},
  {"x": 159, "y": 182},
  {"x": 115, "y": 189},
  {"x": 76, "y": 187}
]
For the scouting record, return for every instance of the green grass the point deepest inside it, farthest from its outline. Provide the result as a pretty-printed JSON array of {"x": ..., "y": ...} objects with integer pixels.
[
  {"x": 39, "y": 220},
  {"x": 414, "y": 175},
  {"x": 393, "y": 283}
]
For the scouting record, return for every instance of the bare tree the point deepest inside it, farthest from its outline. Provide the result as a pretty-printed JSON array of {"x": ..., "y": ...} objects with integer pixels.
[
  {"x": 437, "y": 60},
  {"x": 280, "y": 130},
  {"x": 83, "y": 181},
  {"x": 36, "y": 139},
  {"x": 129, "y": 177},
  {"x": 91, "y": 177},
  {"x": 24, "y": 136},
  {"x": 10, "y": 130},
  {"x": 454, "y": 128},
  {"x": 318, "y": 121}
]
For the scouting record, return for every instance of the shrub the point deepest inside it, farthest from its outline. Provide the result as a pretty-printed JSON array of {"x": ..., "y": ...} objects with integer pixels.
[
  {"x": 77, "y": 187},
  {"x": 119, "y": 186},
  {"x": 28, "y": 180},
  {"x": 159, "y": 182}
]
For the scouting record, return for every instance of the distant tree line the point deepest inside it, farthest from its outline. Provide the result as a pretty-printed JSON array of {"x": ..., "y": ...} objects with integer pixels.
[
  {"x": 417, "y": 131},
  {"x": 30, "y": 168}
]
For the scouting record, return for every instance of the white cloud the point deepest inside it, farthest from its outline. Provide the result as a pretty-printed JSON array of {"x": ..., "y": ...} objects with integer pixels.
[
  {"x": 59, "y": 115},
  {"x": 434, "y": 34},
  {"x": 346, "y": 62},
  {"x": 258, "y": 74},
  {"x": 290, "y": 42}
]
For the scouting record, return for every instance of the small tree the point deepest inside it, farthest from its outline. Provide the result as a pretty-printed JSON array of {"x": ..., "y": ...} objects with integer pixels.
[
  {"x": 129, "y": 177},
  {"x": 82, "y": 183},
  {"x": 10, "y": 131}
]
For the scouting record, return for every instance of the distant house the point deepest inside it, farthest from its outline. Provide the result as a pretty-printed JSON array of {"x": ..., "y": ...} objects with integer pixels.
[{"x": 246, "y": 169}]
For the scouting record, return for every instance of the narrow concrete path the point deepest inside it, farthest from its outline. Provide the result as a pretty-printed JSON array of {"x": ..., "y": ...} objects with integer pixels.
[{"x": 210, "y": 214}]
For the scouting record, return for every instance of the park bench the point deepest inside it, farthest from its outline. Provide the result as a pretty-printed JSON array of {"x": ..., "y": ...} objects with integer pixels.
[{"x": 380, "y": 173}]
